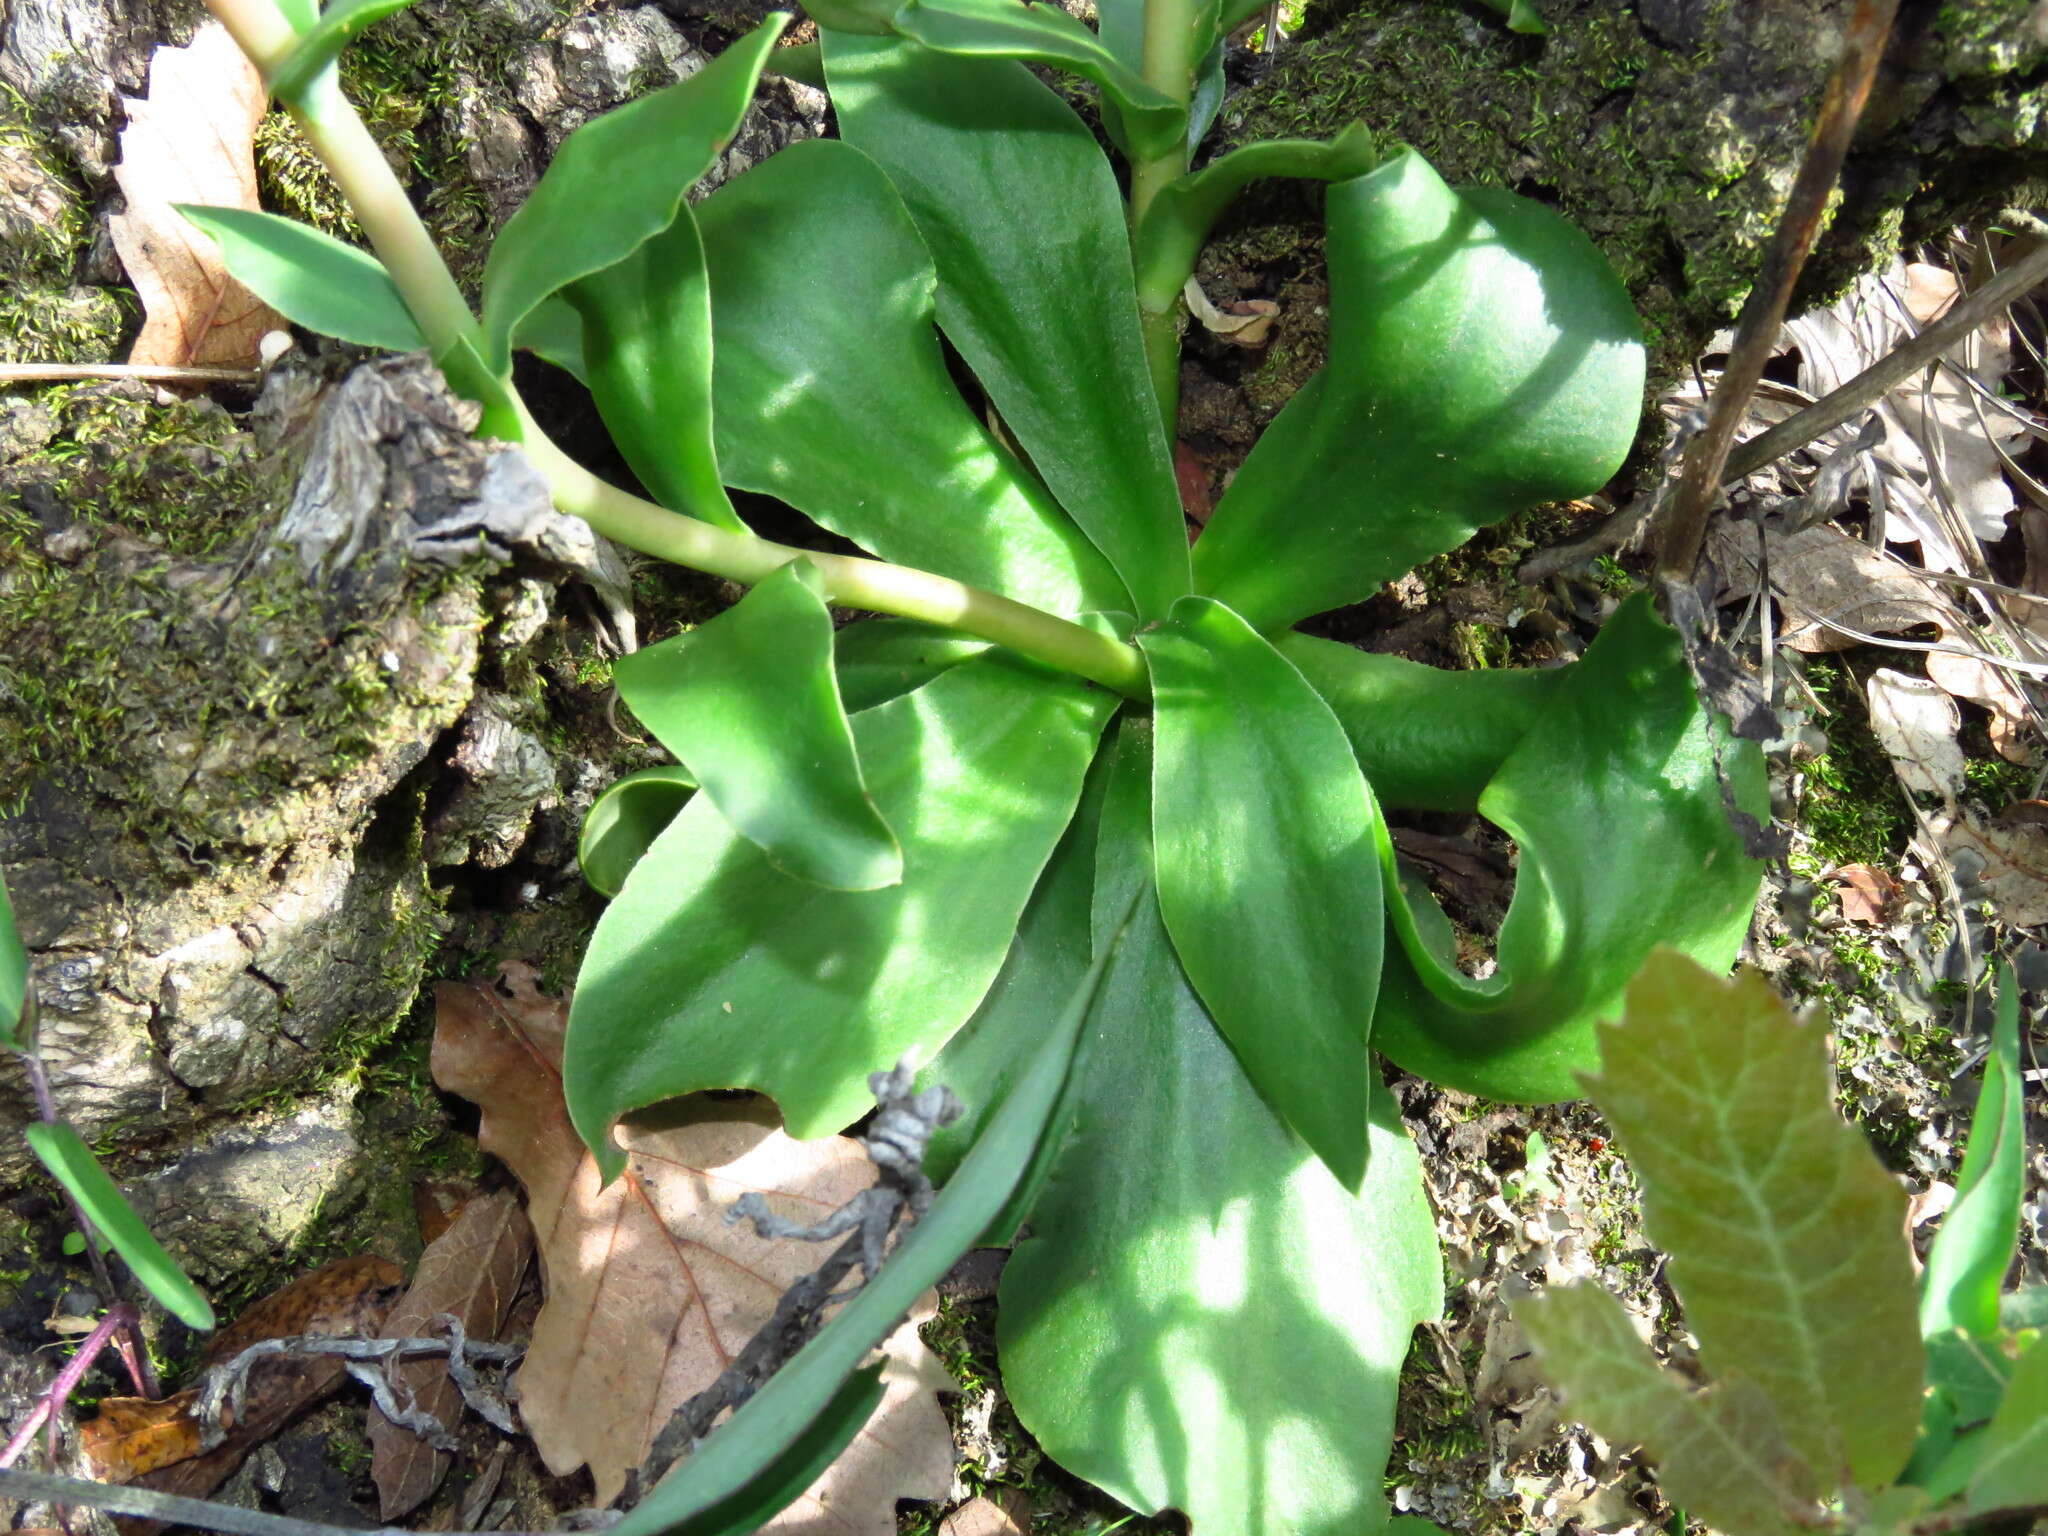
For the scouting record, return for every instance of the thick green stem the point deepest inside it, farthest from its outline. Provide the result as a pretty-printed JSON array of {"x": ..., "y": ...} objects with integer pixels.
[
  {"x": 1169, "y": 58},
  {"x": 402, "y": 243}
]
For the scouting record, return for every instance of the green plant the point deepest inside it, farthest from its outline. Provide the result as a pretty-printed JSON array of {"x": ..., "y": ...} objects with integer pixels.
[
  {"x": 910, "y": 832},
  {"x": 1840, "y": 1395}
]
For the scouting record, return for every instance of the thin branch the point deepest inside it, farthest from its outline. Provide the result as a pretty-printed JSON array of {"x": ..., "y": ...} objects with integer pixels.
[
  {"x": 152, "y": 373},
  {"x": 1874, "y": 382},
  {"x": 1764, "y": 313}
]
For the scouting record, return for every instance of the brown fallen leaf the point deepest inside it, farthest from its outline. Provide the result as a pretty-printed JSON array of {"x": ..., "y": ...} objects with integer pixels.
[
  {"x": 650, "y": 1294},
  {"x": 349, "y": 1297},
  {"x": 1866, "y": 892},
  {"x": 130, "y": 1436},
  {"x": 191, "y": 140},
  {"x": 983, "y": 1516},
  {"x": 436, "y": 1203},
  {"x": 472, "y": 1271},
  {"x": 1916, "y": 724},
  {"x": 2009, "y": 855}
]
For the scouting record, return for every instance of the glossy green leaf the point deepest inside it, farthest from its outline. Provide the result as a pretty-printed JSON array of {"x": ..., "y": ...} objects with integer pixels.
[
  {"x": 1968, "y": 1374},
  {"x": 885, "y": 658},
  {"x": 794, "y": 1396},
  {"x": 1266, "y": 842},
  {"x": 304, "y": 15},
  {"x": 1428, "y": 739},
  {"x": 646, "y": 359},
  {"x": 1720, "y": 1454},
  {"x": 1974, "y": 1248},
  {"x": 1483, "y": 357},
  {"x": 1184, "y": 211},
  {"x": 625, "y": 820},
  {"x": 466, "y": 373},
  {"x": 72, "y": 1164},
  {"x": 2012, "y": 1468},
  {"x": 1614, "y": 800},
  {"x": 1781, "y": 1225},
  {"x": 833, "y": 394},
  {"x": 749, "y": 704},
  {"x": 13, "y": 972},
  {"x": 617, "y": 182},
  {"x": 311, "y": 279},
  {"x": 781, "y": 1482},
  {"x": 1153, "y": 122},
  {"x": 320, "y": 45},
  {"x": 712, "y": 969},
  {"x": 553, "y": 331},
  {"x": 1522, "y": 16},
  {"x": 1024, "y": 221},
  {"x": 1202, "y": 1317}
]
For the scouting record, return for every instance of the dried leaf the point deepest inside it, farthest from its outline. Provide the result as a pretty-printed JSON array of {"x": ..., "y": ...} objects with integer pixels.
[
  {"x": 1822, "y": 573},
  {"x": 2007, "y": 854},
  {"x": 347, "y": 1298},
  {"x": 1867, "y": 893},
  {"x": 650, "y": 1293},
  {"x": 1916, "y": 724},
  {"x": 471, "y": 1271},
  {"x": 191, "y": 141},
  {"x": 983, "y": 1516},
  {"x": 133, "y": 1435}
]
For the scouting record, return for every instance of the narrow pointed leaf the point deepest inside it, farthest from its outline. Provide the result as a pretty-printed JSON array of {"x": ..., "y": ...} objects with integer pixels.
[
  {"x": 310, "y": 278},
  {"x": 1024, "y": 221},
  {"x": 1483, "y": 357},
  {"x": 1202, "y": 1318},
  {"x": 1428, "y": 739},
  {"x": 1622, "y": 749},
  {"x": 339, "y": 25},
  {"x": 1266, "y": 842},
  {"x": 771, "y": 1420},
  {"x": 1153, "y": 122},
  {"x": 712, "y": 969},
  {"x": 13, "y": 972},
  {"x": 750, "y": 705},
  {"x": 1782, "y": 1226},
  {"x": 645, "y": 355},
  {"x": 833, "y": 394},
  {"x": 2012, "y": 1472},
  {"x": 624, "y": 821},
  {"x": 616, "y": 182},
  {"x": 1974, "y": 1248},
  {"x": 72, "y": 1164},
  {"x": 1720, "y": 1455}
]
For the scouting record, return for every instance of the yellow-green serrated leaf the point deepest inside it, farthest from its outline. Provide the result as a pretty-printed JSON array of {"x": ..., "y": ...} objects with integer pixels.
[
  {"x": 1782, "y": 1227},
  {"x": 1720, "y": 1454},
  {"x": 2014, "y": 1470}
]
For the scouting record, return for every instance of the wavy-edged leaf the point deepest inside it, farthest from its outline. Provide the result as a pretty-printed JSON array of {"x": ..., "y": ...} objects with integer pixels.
[
  {"x": 732, "y": 1458},
  {"x": 624, "y": 821},
  {"x": 1183, "y": 212},
  {"x": 645, "y": 356},
  {"x": 1781, "y": 1225},
  {"x": 1483, "y": 357},
  {"x": 310, "y": 278},
  {"x": 1153, "y": 123},
  {"x": 833, "y": 395},
  {"x": 2012, "y": 1472},
  {"x": 750, "y": 704},
  {"x": 712, "y": 969},
  {"x": 13, "y": 971},
  {"x": 1266, "y": 850},
  {"x": 1615, "y": 800},
  {"x": 615, "y": 183},
  {"x": 1974, "y": 1248},
  {"x": 1202, "y": 1317},
  {"x": 320, "y": 45},
  {"x": 1721, "y": 1454},
  {"x": 884, "y": 658},
  {"x": 1428, "y": 739},
  {"x": 1024, "y": 222},
  {"x": 71, "y": 1163}
]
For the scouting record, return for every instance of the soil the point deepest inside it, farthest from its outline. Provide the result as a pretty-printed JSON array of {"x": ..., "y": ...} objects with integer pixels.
[{"x": 256, "y": 800}]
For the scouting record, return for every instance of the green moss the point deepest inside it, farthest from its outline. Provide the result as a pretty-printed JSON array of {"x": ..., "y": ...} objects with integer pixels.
[
  {"x": 1852, "y": 809},
  {"x": 45, "y": 315}
]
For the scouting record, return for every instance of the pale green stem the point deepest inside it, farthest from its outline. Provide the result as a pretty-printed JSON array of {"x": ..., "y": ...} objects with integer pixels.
[
  {"x": 1169, "y": 66},
  {"x": 402, "y": 243}
]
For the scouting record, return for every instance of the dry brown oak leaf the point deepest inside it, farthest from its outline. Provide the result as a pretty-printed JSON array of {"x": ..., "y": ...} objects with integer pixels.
[
  {"x": 156, "y": 1445},
  {"x": 472, "y": 1272},
  {"x": 191, "y": 140},
  {"x": 650, "y": 1294}
]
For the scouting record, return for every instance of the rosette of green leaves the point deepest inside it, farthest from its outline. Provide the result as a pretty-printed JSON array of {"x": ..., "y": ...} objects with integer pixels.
[{"x": 906, "y": 843}]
